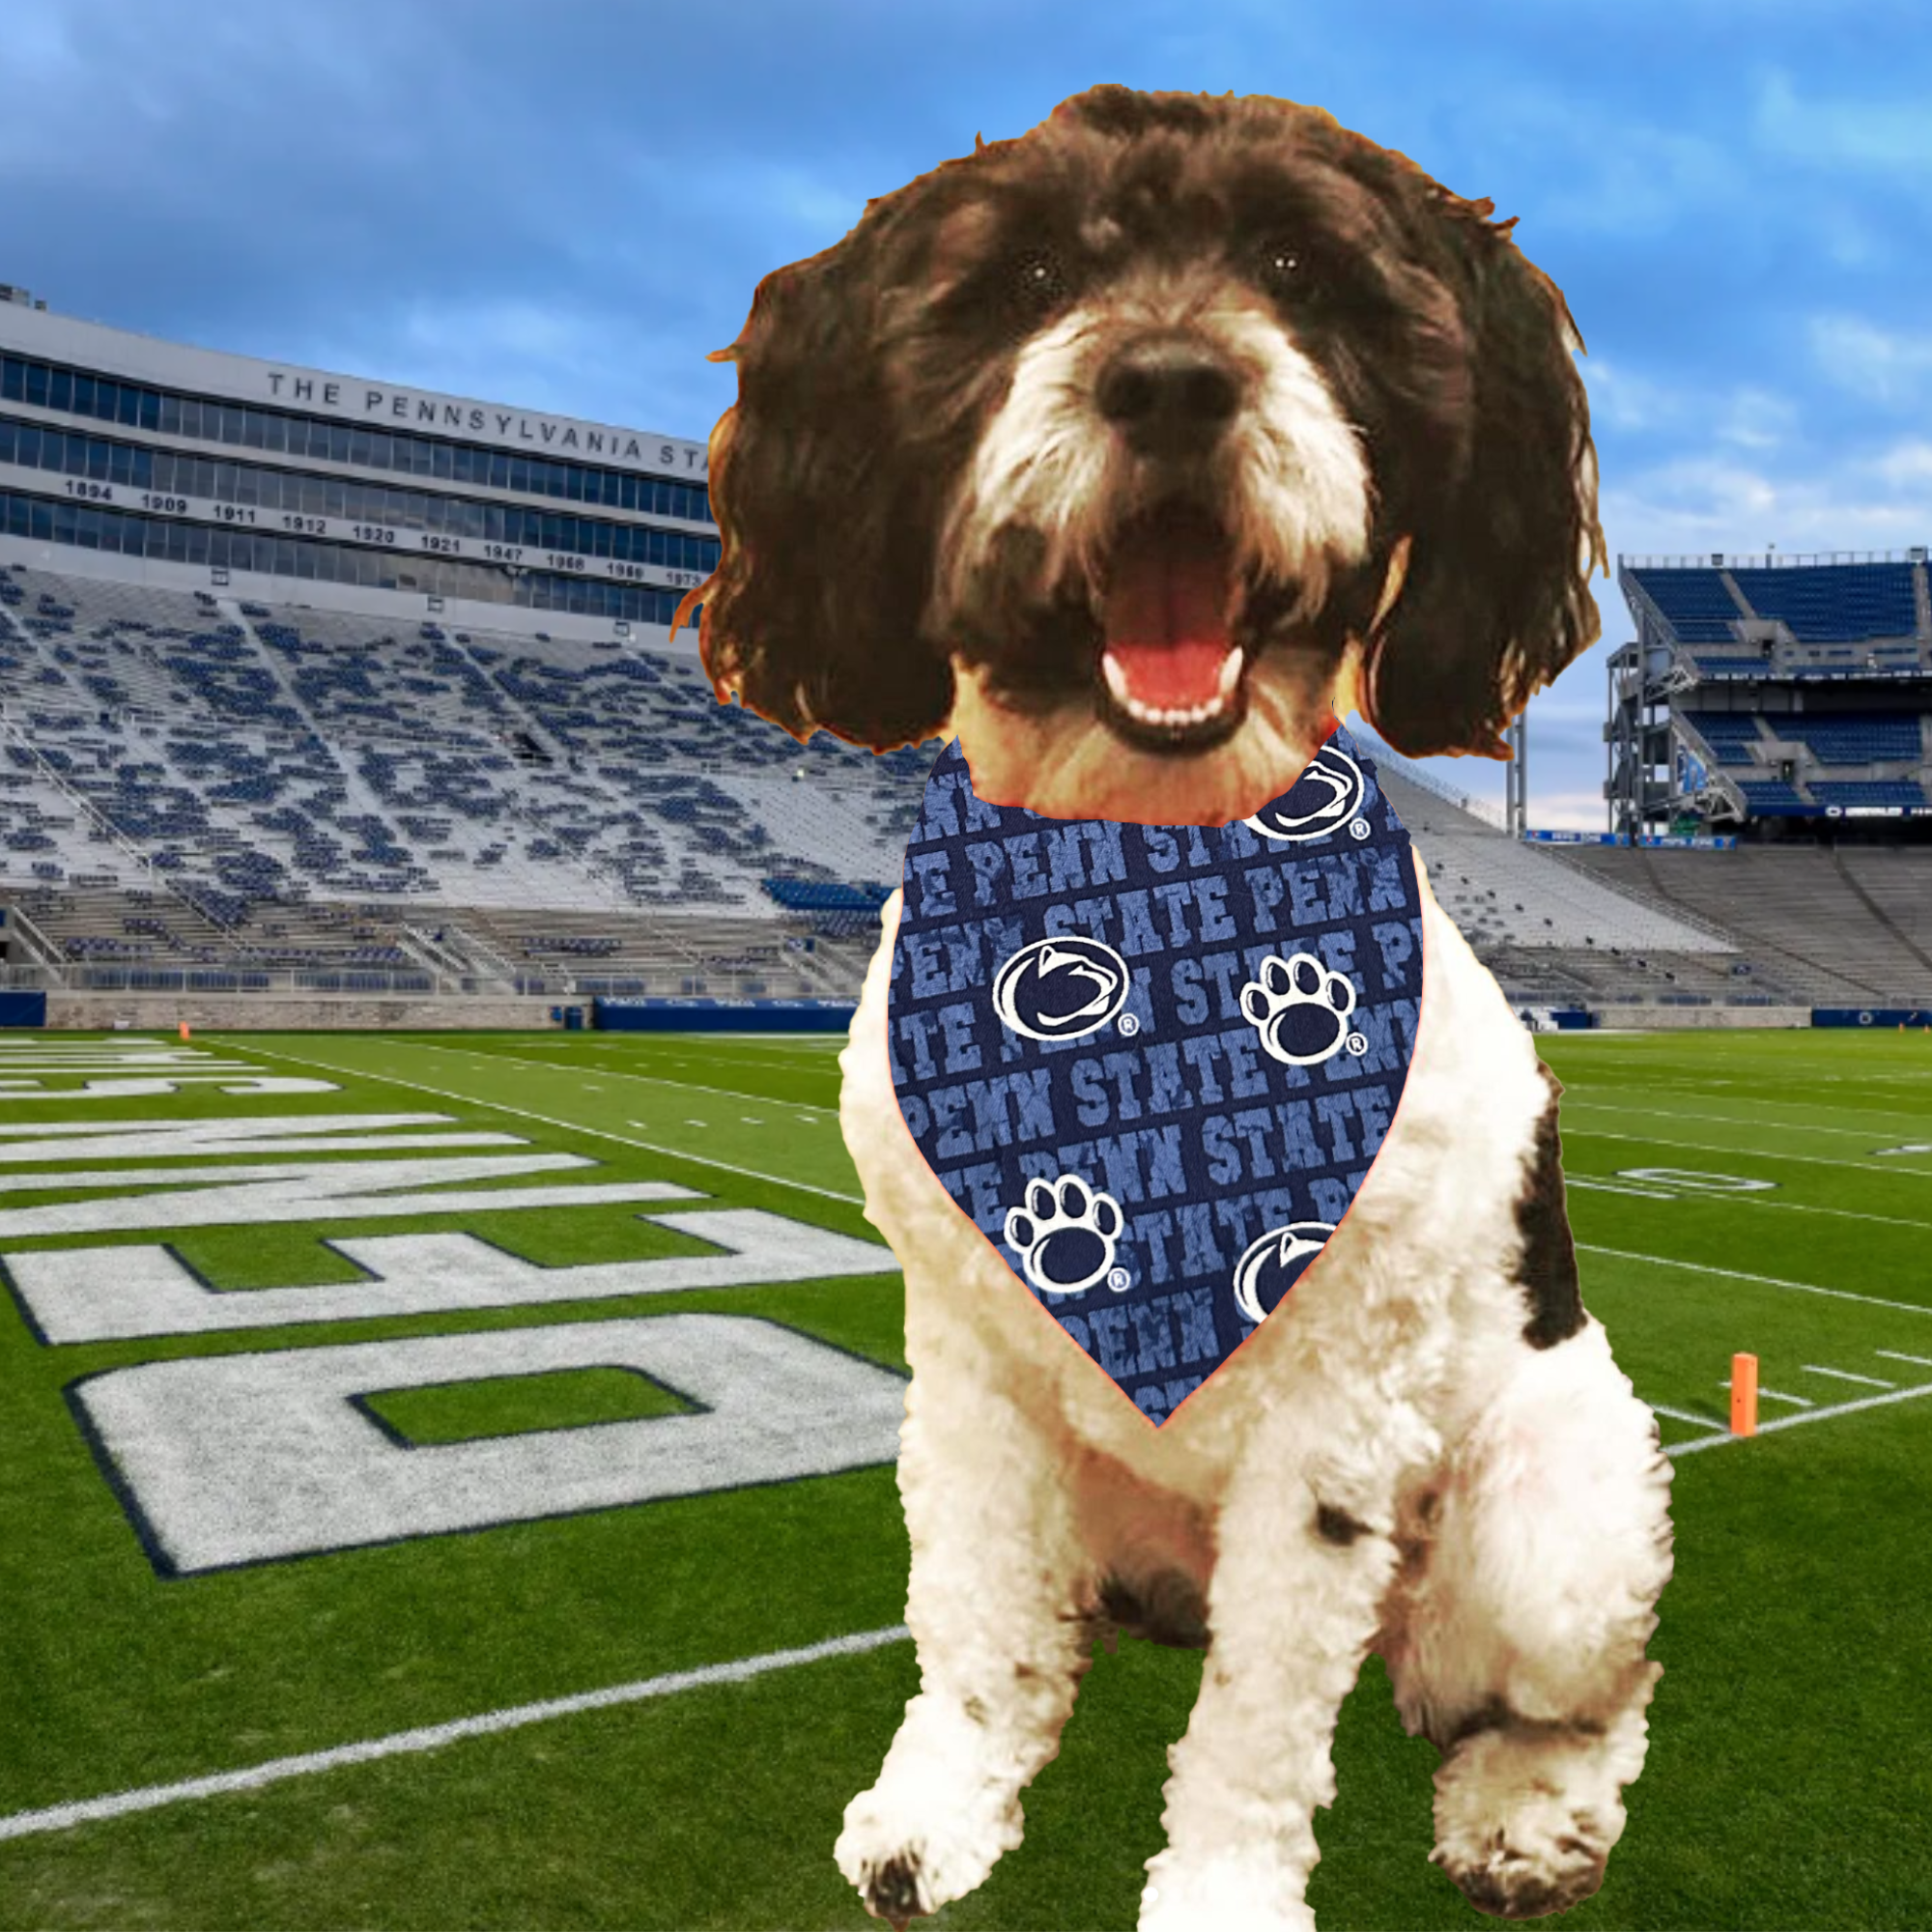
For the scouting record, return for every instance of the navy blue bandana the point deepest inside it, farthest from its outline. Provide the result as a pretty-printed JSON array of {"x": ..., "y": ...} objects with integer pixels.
[{"x": 1153, "y": 1064}]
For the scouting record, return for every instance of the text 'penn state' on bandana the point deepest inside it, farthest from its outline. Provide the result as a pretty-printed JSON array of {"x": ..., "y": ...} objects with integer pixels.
[{"x": 1153, "y": 1064}]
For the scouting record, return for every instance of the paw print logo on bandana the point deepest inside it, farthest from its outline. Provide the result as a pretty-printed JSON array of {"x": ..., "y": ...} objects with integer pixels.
[
  {"x": 1326, "y": 796},
  {"x": 1065, "y": 1236},
  {"x": 1300, "y": 1008},
  {"x": 1274, "y": 1264}
]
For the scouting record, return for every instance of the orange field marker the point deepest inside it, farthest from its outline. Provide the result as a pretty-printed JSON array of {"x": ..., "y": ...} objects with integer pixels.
[
  {"x": 183, "y": 1029},
  {"x": 1743, "y": 1395}
]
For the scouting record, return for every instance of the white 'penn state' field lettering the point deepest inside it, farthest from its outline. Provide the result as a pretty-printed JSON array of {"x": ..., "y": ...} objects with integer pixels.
[
  {"x": 237, "y": 1460},
  {"x": 102, "y": 1295},
  {"x": 246, "y": 1086},
  {"x": 246, "y": 1459}
]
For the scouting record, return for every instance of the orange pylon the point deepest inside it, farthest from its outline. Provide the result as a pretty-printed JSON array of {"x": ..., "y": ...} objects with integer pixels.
[
  {"x": 1743, "y": 1395},
  {"x": 185, "y": 1029}
]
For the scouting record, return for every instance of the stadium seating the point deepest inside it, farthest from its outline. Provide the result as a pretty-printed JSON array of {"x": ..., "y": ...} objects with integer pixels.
[
  {"x": 1771, "y": 793},
  {"x": 1856, "y": 738},
  {"x": 1826, "y": 927},
  {"x": 1733, "y": 735},
  {"x": 1696, "y": 602},
  {"x": 1889, "y": 792},
  {"x": 198, "y": 792},
  {"x": 1517, "y": 905},
  {"x": 1832, "y": 603},
  {"x": 240, "y": 764}
]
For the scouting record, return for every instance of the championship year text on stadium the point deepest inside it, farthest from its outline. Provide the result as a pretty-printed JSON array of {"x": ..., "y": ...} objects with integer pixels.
[{"x": 352, "y": 530}]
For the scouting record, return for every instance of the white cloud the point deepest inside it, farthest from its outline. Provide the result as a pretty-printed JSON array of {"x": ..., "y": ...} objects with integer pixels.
[
  {"x": 783, "y": 205},
  {"x": 1564, "y": 811},
  {"x": 1590, "y": 164},
  {"x": 1755, "y": 418},
  {"x": 1884, "y": 365},
  {"x": 1895, "y": 138},
  {"x": 1629, "y": 179},
  {"x": 1696, "y": 492},
  {"x": 1621, "y": 398},
  {"x": 1909, "y": 462},
  {"x": 566, "y": 357},
  {"x": 1865, "y": 499}
]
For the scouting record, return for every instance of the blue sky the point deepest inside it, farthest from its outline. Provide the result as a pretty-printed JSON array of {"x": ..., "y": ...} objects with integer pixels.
[{"x": 566, "y": 205}]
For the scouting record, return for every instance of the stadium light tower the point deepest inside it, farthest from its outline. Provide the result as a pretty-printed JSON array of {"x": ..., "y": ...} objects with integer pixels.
[{"x": 1516, "y": 808}]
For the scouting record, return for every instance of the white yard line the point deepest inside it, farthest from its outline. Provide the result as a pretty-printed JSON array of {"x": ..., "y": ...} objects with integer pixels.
[
  {"x": 1806, "y": 1208},
  {"x": 1597, "y": 1185},
  {"x": 433, "y": 1737},
  {"x": 1799, "y": 1421},
  {"x": 1762, "y": 1280},
  {"x": 616, "y": 1074},
  {"x": 1752, "y": 1153},
  {"x": 569, "y": 1126},
  {"x": 1682, "y": 1415},
  {"x": 1846, "y": 1376},
  {"x": 1892, "y": 1355},
  {"x": 1731, "y": 1120},
  {"x": 1702, "y": 1089},
  {"x": 1735, "y": 1197},
  {"x": 1777, "y": 1395}
]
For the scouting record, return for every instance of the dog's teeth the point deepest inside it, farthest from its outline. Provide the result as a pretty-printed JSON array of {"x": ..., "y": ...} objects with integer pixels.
[{"x": 1147, "y": 714}]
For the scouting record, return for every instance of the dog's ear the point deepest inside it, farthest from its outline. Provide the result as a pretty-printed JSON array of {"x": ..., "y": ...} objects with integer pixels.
[
  {"x": 813, "y": 615},
  {"x": 1496, "y": 600}
]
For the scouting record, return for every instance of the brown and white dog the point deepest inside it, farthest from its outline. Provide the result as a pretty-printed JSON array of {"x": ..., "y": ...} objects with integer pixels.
[{"x": 1226, "y": 352}]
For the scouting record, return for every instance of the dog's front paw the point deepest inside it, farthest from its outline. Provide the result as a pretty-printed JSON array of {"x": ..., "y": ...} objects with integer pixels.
[
  {"x": 1065, "y": 1236},
  {"x": 1300, "y": 1007},
  {"x": 1524, "y": 1821},
  {"x": 906, "y": 1860},
  {"x": 1247, "y": 1893}
]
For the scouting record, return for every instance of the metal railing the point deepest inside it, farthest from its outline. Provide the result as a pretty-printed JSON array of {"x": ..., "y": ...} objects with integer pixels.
[
  {"x": 370, "y": 982},
  {"x": 1772, "y": 559}
]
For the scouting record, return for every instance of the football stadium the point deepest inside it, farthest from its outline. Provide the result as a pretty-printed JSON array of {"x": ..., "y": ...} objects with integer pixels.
[{"x": 452, "y": 1388}]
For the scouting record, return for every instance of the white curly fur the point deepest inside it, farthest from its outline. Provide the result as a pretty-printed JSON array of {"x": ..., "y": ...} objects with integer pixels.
[{"x": 1512, "y": 1501}]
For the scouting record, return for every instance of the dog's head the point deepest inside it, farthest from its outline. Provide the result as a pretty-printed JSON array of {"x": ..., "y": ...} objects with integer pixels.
[{"x": 1110, "y": 446}]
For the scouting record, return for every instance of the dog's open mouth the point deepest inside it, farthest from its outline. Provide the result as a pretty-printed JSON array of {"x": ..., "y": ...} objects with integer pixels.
[{"x": 1171, "y": 665}]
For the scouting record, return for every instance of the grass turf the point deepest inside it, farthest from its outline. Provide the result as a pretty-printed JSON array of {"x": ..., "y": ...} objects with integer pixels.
[{"x": 1789, "y": 1782}]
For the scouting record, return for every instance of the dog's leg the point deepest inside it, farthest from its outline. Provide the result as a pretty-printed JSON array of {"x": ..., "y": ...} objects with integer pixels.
[
  {"x": 1520, "y": 1646},
  {"x": 1306, "y": 1554},
  {"x": 997, "y": 1571}
]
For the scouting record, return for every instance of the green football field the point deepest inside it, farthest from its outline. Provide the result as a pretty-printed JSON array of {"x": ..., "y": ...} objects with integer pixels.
[{"x": 387, "y": 1538}]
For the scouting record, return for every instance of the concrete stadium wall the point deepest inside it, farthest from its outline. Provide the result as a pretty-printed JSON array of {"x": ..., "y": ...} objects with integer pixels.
[
  {"x": 228, "y": 1013},
  {"x": 1685, "y": 1018}
]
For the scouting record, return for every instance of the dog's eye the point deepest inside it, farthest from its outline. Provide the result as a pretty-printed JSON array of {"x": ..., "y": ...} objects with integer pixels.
[
  {"x": 1282, "y": 267},
  {"x": 1039, "y": 281}
]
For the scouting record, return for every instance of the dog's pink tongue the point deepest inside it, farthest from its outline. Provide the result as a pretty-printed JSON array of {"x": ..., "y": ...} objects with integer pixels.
[{"x": 1165, "y": 612}]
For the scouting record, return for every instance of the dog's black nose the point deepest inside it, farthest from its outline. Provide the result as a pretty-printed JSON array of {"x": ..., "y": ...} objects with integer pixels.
[{"x": 1168, "y": 398}]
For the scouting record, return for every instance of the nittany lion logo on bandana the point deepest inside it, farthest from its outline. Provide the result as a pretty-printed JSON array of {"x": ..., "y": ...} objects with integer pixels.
[
  {"x": 1275, "y": 1264},
  {"x": 1060, "y": 989},
  {"x": 1326, "y": 797},
  {"x": 1155, "y": 1063}
]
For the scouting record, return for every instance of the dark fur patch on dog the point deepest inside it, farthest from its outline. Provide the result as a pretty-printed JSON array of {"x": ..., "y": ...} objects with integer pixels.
[
  {"x": 1167, "y": 1609},
  {"x": 1337, "y": 1526},
  {"x": 1547, "y": 1269},
  {"x": 1497, "y": 1715}
]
